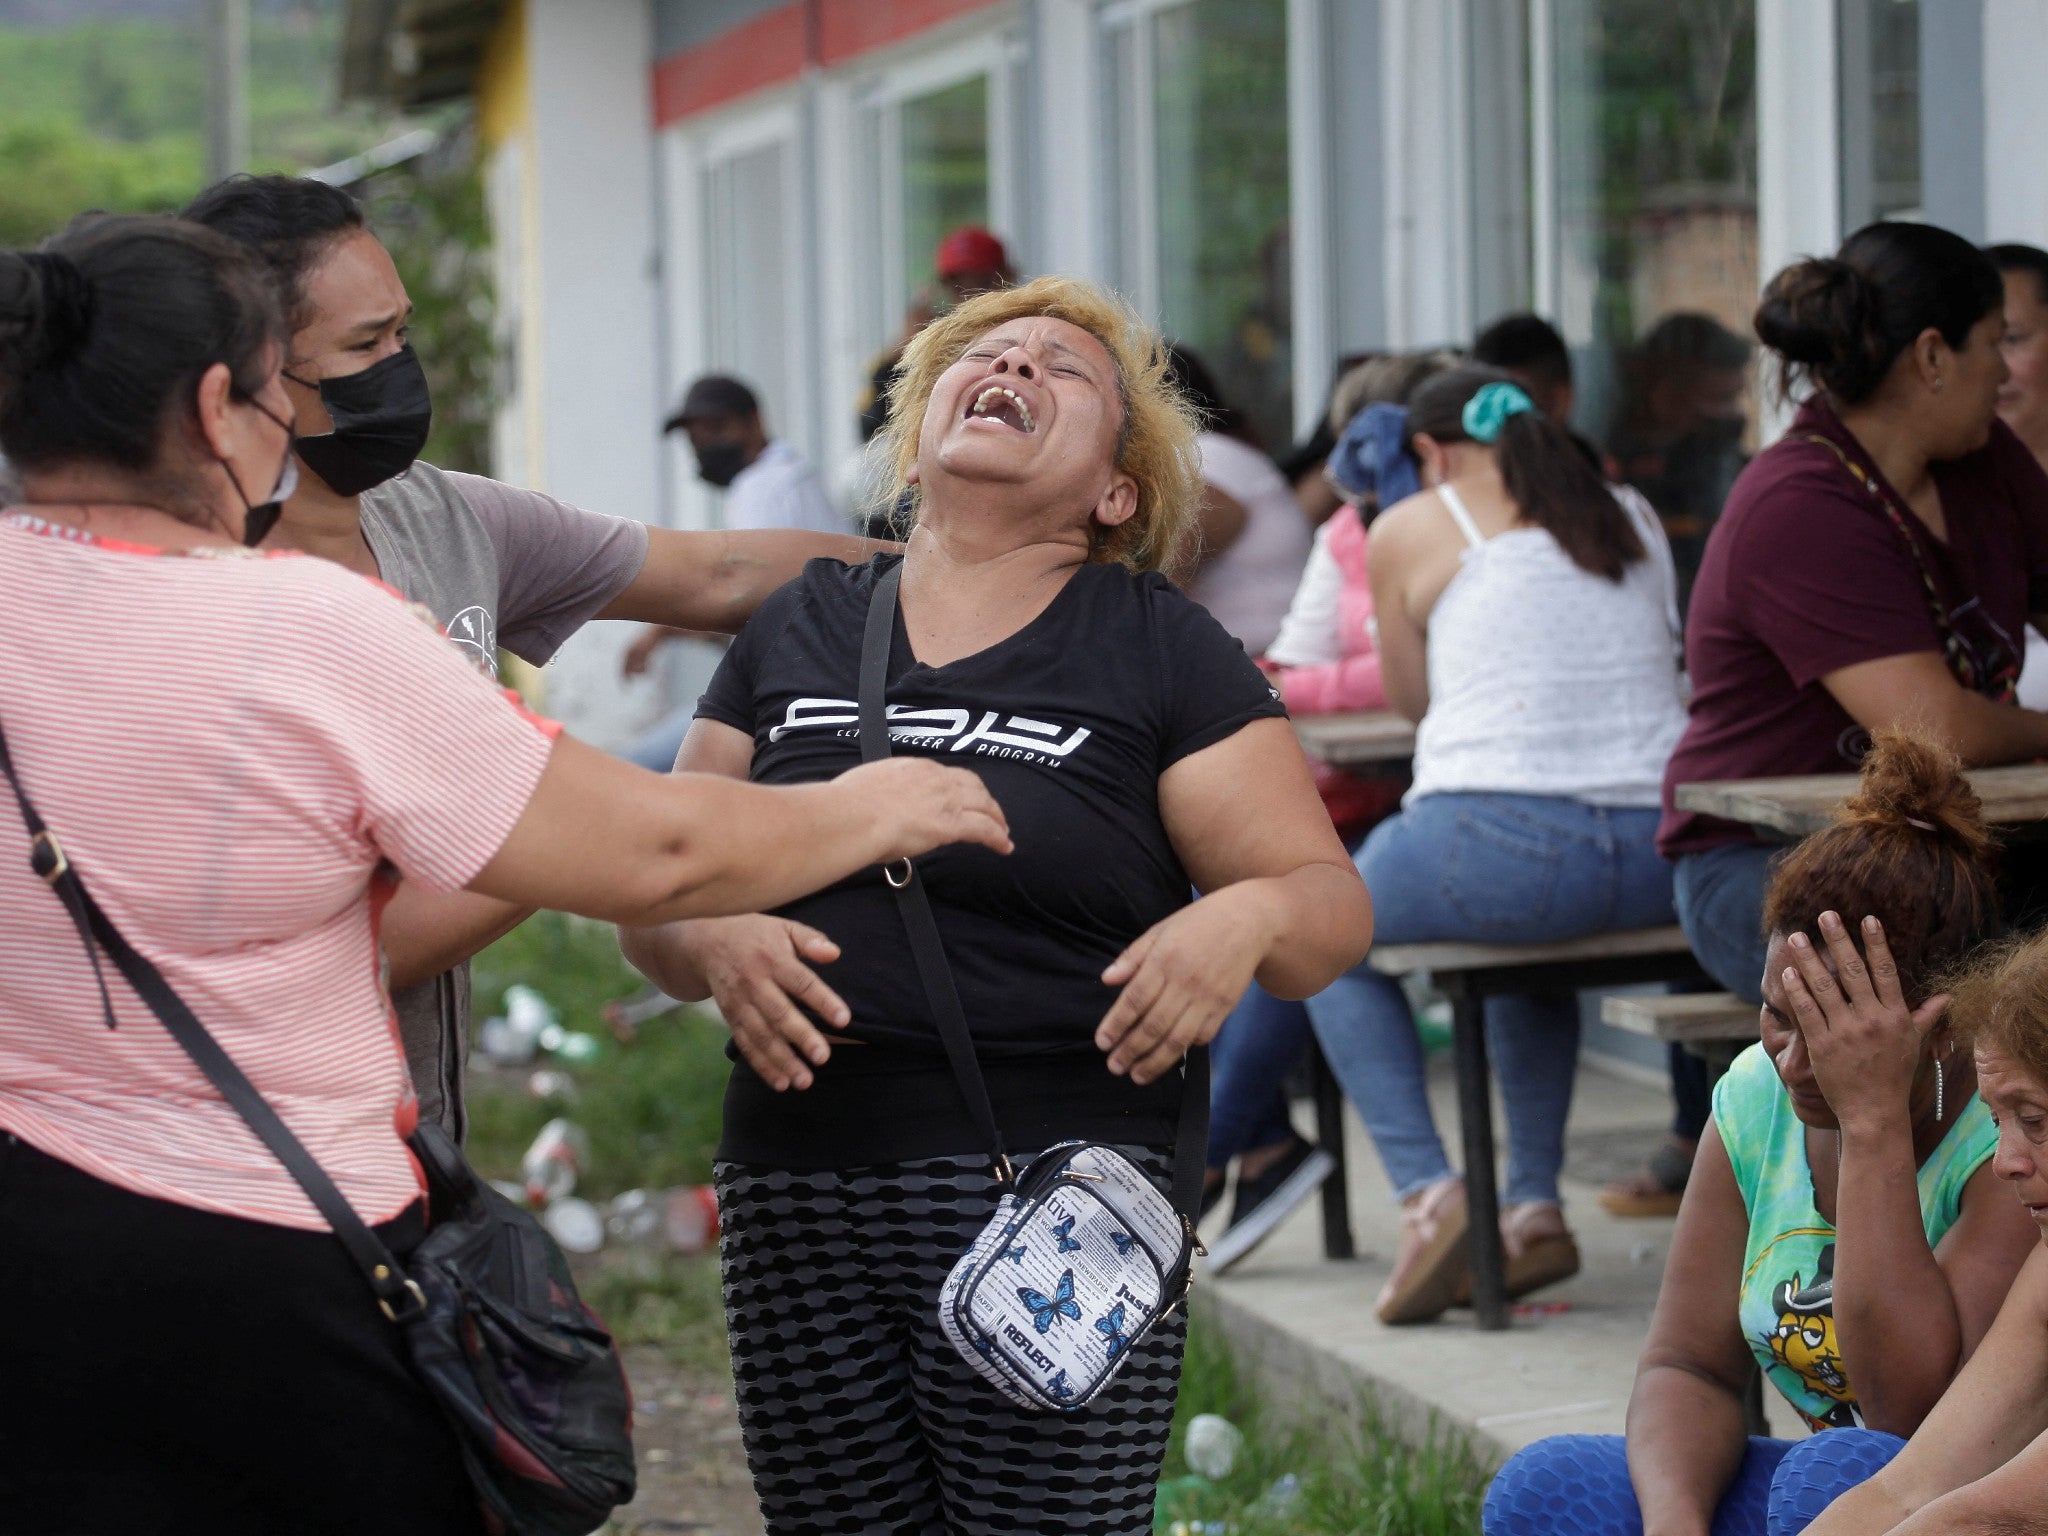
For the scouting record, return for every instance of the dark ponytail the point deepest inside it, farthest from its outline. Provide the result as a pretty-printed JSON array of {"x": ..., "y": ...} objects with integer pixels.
[
  {"x": 105, "y": 331},
  {"x": 1842, "y": 320},
  {"x": 1549, "y": 480}
]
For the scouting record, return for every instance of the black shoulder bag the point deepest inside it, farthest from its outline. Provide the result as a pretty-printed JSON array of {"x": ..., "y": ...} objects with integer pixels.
[
  {"x": 1085, "y": 1254},
  {"x": 525, "y": 1373}
]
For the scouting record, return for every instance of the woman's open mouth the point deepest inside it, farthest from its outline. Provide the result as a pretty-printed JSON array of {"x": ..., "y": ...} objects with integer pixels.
[{"x": 1004, "y": 407}]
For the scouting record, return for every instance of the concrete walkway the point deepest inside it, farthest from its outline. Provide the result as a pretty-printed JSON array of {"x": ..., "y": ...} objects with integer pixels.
[{"x": 1305, "y": 1326}]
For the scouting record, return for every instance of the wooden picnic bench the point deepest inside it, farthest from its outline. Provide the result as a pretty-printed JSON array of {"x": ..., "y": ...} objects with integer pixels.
[
  {"x": 1803, "y": 804},
  {"x": 1468, "y": 974},
  {"x": 1682, "y": 1017},
  {"x": 1360, "y": 738}
]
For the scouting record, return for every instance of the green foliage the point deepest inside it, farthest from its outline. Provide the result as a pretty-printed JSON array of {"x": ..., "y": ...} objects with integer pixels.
[
  {"x": 110, "y": 114},
  {"x": 652, "y": 1106},
  {"x": 1364, "y": 1478},
  {"x": 431, "y": 216},
  {"x": 51, "y": 170}
]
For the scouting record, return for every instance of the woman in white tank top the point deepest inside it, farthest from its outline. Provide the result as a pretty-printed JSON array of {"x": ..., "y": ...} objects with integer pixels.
[{"x": 1527, "y": 619}]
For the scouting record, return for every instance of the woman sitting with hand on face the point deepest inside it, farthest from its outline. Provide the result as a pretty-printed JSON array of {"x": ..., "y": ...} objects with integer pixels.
[
  {"x": 1136, "y": 752},
  {"x": 1842, "y": 1230}
]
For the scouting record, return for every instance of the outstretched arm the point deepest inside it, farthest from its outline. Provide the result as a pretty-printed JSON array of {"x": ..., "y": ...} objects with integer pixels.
[
  {"x": 715, "y": 581},
  {"x": 427, "y": 932},
  {"x": 606, "y": 839}
]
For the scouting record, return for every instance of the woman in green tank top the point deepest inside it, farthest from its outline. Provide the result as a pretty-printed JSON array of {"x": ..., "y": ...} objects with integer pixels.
[{"x": 1842, "y": 1231}]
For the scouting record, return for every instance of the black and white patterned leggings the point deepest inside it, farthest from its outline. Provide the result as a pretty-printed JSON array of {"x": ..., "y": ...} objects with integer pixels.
[{"x": 858, "y": 1416}]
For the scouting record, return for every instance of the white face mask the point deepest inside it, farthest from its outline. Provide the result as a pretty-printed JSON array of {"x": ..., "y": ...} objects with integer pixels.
[{"x": 258, "y": 519}]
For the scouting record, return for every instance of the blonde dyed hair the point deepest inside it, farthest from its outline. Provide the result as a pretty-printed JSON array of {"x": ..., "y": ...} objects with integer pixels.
[{"x": 1155, "y": 445}]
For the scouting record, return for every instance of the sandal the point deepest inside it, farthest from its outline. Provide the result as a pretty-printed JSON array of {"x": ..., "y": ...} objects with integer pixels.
[
  {"x": 1539, "y": 1246},
  {"x": 1430, "y": 1267},
  {"x": 1658, "y": 1189}
]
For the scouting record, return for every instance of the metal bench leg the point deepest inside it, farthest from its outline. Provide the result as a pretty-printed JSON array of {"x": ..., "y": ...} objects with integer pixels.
[
  {"x": 1475, "y": 1120},
  {"x": 1330, "y": 1134}
]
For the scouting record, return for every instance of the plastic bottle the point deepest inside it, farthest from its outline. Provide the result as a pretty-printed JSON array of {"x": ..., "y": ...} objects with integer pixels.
[
  {"x": 512, "y": 1039},
  {"x": 1278, "y": 1501},
  {"x": 1212, "y": 1446},
  {"x": 684, "y": 1219},
  {"x": 575, "y": 1224},
  {"x": 552, "y": 1164}
]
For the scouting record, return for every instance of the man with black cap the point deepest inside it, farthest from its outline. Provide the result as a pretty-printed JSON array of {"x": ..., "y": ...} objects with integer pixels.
[{"x": 766, "y": 481}]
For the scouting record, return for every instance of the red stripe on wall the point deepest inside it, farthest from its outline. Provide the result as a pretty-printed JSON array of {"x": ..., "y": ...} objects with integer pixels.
[
  {"x": 762, "y": 52},
  {"x": 850, "y": 28},
  {"x": 769, "y": 49}
]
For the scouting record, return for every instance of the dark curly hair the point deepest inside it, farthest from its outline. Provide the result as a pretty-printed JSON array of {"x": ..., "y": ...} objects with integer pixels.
[{"x": 1909, "y": 848}]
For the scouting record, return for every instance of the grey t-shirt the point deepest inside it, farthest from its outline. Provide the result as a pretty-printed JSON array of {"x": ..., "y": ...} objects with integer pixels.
[{"x": 497, "y": 566}]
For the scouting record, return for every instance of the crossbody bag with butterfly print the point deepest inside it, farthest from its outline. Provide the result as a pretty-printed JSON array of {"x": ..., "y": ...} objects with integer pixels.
[{"x": 1085, "y": 1253}]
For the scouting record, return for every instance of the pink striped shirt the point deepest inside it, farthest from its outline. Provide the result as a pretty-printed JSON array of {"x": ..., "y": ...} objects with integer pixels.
[{"x": 230, "y": 750}]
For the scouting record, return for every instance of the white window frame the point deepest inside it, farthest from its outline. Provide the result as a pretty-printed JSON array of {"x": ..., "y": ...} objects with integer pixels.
[
  {"x": 873, "y": 107},
  {"x": 689, "y": 155}
]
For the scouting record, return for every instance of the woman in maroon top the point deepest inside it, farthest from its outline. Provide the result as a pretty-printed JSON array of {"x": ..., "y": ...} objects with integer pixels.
[{"x": 1875, "y": 567}]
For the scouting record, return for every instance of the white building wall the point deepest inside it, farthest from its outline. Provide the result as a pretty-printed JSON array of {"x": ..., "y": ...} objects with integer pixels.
[
  {"x": 599, "y": 406},
  {"x": 2016, "y": 121},
  {"x": 1798, "y": 171}
]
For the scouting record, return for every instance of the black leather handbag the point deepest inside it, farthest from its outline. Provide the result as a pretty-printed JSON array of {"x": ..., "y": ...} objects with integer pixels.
[{"x": 524, "y": 1371}]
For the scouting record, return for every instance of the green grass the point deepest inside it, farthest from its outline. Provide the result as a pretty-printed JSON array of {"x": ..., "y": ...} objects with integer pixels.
[
  {"x": 1355, "y": 1478},
  {"x": 651, "y": 1106}
]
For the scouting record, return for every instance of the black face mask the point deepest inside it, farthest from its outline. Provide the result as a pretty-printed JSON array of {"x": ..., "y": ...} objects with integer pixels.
[
  {"x": 381, "y": 417},
  {"x": 721, "y": 463}
]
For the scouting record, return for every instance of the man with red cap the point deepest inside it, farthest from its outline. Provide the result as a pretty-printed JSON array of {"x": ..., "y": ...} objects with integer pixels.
[{"x": 970, "y": 261}]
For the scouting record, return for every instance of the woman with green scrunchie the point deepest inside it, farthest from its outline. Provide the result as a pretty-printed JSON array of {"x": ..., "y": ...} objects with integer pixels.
[{"x": 1527, "y": 620}]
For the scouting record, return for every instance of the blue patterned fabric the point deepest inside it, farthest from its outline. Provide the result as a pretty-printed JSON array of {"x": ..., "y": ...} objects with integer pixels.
[{"x": 1578, "y": 1485}]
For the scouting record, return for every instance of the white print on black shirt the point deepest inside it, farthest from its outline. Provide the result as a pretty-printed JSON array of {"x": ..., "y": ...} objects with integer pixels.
[{"x": 1016, "y": 737}]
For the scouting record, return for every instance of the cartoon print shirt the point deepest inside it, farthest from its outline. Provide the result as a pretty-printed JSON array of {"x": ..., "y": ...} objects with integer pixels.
[
  {"x": 1788, "y": 1266},
  {"x": 1070, "y": 722}
]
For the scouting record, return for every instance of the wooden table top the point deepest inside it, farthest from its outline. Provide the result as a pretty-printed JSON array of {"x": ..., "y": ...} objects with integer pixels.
[
  {"x": 1357, "y": 737},
  {"x": 1798, "y": 806}
]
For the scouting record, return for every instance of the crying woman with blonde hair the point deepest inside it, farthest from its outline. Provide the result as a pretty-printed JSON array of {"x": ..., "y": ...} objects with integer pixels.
[{"x": 1136, "y": 752}]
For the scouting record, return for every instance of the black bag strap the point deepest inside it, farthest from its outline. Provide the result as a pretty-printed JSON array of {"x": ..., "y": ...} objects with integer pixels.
[
  {"x": 398, "y": 1296},
  {"x": 1191, "y": 1138}
]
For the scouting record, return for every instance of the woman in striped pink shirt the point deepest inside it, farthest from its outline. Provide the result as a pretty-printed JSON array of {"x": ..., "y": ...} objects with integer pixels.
[{"x": 183, "y": 1345}]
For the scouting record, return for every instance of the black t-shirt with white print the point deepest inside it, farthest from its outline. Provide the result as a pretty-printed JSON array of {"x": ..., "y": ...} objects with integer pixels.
[{"x": 1070, "y": 722}]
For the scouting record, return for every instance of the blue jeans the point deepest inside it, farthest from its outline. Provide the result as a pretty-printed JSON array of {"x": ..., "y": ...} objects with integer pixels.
[
  {"x": 656, "y": 747},
  {"x": 1249, "y": 1060},
  {"x": 1720, "y": 896},
  {"x": 1493, "y": 869},
  {"x": 1578, "y": 1485}
]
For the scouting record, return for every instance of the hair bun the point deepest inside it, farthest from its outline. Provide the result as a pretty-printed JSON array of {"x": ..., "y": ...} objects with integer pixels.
[
  {"x": 1823, "y": 315},
  {"x": 45, "y": 309},
  {"x": 1912, "y": 782}
]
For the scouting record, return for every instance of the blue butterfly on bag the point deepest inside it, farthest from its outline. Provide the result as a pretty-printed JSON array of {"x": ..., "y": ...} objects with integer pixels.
[
  {"x": 1016, "y": 1255},
  {"x": 1064, "y": 1232},
  {"x": 1046, "y": 1310},
  {"x": 1111, "y": 1327},
  {"x": 1058, "y": 1387},
  {"x": 1124, "y": 1243}
]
